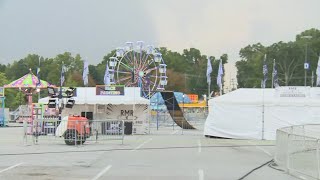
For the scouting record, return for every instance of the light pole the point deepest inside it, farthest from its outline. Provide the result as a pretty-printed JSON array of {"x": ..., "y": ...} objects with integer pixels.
[
  {"x": 183, "y": 103},
  {"x": 306, "y": 64},
  {"x": 182, "y": 109}
]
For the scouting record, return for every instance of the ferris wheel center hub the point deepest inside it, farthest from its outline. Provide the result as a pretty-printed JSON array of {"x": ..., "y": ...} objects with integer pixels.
[{"x": 141, "y": 73}]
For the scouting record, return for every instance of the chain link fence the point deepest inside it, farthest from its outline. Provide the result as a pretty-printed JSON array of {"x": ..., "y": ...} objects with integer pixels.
[
  {"x": 162, "y": 122},
  {"x": 298, "y": 150}
]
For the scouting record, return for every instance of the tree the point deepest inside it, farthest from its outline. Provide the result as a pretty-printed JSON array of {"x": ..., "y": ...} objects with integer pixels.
[
  {"x": 186, "y": 71},
  {"x": 250, "y": 66},
  {"x": 289, "y": 58},
  {"x": 3, "y": 79}
]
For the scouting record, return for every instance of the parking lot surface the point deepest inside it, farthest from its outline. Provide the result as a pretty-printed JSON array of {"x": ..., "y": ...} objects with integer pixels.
[{"x": 166, "y": 153}]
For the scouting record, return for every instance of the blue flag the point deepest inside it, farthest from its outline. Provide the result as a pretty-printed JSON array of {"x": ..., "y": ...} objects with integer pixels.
[
  {"x": 264, "y": 71},
  {"x": 62, "y": 75},
  {"x": 275, "y": 75},
  {"x": 38, "y": 76},
  {"x": 209, "y": 71},
  {"x": 220, "y": 74},
  {"x": 107, "y": 76},
  {"x": 85, "y": 73}
]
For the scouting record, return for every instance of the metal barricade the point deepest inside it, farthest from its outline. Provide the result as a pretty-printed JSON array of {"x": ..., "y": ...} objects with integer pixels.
[
  {"x": 75, "y": 132},
  {"x": 297, "y": 150}
]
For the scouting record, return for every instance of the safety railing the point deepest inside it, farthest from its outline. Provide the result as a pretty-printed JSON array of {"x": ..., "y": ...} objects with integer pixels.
[
  {"x": 14, "y": 115},
  {"x": 72, "y": 132},
  {"x": 163, "y": 119},
  {"x": 298, "y": 150}
]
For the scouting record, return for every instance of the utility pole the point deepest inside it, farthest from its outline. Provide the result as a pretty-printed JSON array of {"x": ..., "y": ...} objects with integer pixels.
[
  {"x": 306, "y": 64},
  {"x": 39, "y": 79}
]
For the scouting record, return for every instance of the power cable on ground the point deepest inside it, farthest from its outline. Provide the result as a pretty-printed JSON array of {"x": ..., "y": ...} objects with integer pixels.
[
  {"x": 126, "y": 149},
  {"x": 255, "y": 169}
]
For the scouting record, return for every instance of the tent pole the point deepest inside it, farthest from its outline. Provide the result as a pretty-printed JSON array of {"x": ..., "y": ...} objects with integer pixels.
[
  {"x": 272, "y": 74},
  {"x": 85, "y": 101},
  {"x": 39, "y": 82},
  {"x": 158, "y": 110},
  {"x": 209, "y": 90},
  {"x": 262, "y": 114},
  {"x": 149, "y": 109}
]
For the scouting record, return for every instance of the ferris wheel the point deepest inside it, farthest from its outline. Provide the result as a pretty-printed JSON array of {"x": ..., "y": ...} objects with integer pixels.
[{"x": 137, "y": 65}]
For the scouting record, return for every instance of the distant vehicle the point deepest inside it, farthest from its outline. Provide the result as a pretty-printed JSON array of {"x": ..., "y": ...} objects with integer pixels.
[{"x": 74, "y": 129}]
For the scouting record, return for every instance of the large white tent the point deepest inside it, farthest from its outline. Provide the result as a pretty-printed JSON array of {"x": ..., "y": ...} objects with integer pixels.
[
  {"x": 87, "y": 95},
  {"x": 258, "y": 113}
]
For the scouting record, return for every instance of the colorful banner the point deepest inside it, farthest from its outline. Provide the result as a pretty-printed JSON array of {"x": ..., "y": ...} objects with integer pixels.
[{"x": 292, "y": 91}]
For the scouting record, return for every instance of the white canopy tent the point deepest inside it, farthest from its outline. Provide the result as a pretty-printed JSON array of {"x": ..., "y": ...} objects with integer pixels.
[
  {"x": 87, "y": 95},
  {"x": 258, "y": 113},
  {"x": 128, "y": 107}
]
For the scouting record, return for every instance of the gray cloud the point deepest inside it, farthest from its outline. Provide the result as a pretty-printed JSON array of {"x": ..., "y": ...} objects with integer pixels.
[{"x": 91, "y": 28}]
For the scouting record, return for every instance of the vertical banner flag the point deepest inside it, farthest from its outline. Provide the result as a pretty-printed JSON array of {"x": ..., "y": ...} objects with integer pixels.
[
  {"x": 265, "y": 71},
  {"x": 209, "y": 71},
  {"x": 107, "y": 76},
  {"x": 62, "y": 75},
  {"x": 220, "y": 73},
  {"x": 85, "y": 73},
  {"x": 38, "y": 76},
  {"x": 318, "y": 72},
  {"x": 275, "y": 75}
]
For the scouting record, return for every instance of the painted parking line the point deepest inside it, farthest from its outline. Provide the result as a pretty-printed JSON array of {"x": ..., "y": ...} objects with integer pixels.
[
  {"x": 175, "y": 132},
  {"x": 145, "y": 142},
  {"x": 201, "y": 174},
  {"x": 11, "y": 167},
  {"x": 199, "y": 146},
  {"x": 102, "y": 172}
]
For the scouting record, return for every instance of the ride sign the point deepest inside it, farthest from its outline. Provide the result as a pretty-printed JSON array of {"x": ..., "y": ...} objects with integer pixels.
[
  {"x": 293, "y": 91},
  {"x": 110, "y": 90}
]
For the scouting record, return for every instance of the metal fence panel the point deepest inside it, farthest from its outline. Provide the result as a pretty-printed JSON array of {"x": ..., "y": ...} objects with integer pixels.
[
  {"x": 302, "y": 155},
  {"x": 297, "y": 150},
  {"x": 75, "y": 132}
]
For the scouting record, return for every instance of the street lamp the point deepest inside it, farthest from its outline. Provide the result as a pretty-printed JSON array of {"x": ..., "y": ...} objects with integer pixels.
[{"x": 306, "y": 64}]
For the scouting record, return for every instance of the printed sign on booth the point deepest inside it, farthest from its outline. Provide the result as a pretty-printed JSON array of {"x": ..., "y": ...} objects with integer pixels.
[{"x": 111, "y": 90}]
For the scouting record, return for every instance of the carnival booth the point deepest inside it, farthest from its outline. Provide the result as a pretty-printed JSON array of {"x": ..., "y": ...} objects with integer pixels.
[
  {"x": 258, "y": 113},
  {"x": 113, "y": 102}
]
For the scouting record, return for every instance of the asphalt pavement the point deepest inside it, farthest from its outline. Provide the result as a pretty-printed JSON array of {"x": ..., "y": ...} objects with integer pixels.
[{"x": 167, "y": 153}]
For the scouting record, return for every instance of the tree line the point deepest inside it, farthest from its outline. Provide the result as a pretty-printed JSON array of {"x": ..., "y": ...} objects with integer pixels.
[
  {"x": 186, "y": 72},
  {"x": 289, "y": 58}
]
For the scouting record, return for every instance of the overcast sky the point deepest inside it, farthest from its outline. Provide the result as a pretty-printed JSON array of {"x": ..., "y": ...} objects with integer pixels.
[{"x": 94, "y": 27}]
